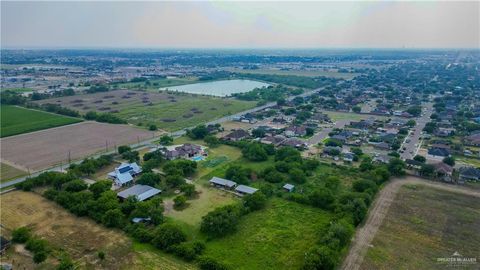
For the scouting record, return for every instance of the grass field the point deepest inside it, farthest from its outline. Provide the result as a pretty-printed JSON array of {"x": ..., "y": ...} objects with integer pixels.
[
  {"x": 306, "y": 73},
  {"x": 424, "y": 224},
  {"x": 335, "y": 116},
  {"x": 158, "y": 83},
  {"x": 18, "y": 120},
  {"x": 17, "y": 90},
  {"x": 8, "y": 172},
  {"x": 273, "y": 238}
]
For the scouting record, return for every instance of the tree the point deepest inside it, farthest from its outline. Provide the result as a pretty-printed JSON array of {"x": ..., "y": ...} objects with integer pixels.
[
  {"x": 179, "y": 201},
  {"x": 165, "y": 140},
  {"x": 396, "y": 167},
  {"x": 411, "y": 123},
  {"x": 415, "y": 110},
  {"x": 175, "y": 180},
  {"x": 149, "y": 179},
  {"x": 212, "y": 141},
  {"x": 356, "y": 109},
  {"x": 124, "y": 148},
  {"x": 427, "y": 170},
  {"x": 322, "y": 198},
  {"x": 199, "y": 132},
  {"x": 273, "y": 176},
  {"x": 188, "y": 190},
  {"x": 362, "y": 185},
  {"x": 419, "y": 158},
  {"x": 131, "y": 156},
  {"x": 207, "y": 263},
  {"x": 254, "y": 152},
  {"x": 113, "y": 218},
  {"x": 152, "y": 127},
  {"x": 167, "y": 235},
  {"x": 75, "y": 186},
  {"x": 297, "y": 176},
  {"x": 255, "y": 201},
  {"x": 220, "y": 221},
  {"x": 449, "y": 161},
  {"x": 333, "y": 142},
  {"x": 258, "y": 133},
  {"x": 288, "y": 154},
  {"x": 321, "y": 258},
  {"x": 238, "y": 174},
  {"x": 99, "y": 187},
  {"x": 21, "y": 235},
  {"x": 381, "y": 175},
  {"x": 357, "y": 151}
]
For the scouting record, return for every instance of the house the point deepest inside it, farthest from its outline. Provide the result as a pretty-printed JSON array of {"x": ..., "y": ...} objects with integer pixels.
[
  {"x": 141, "y": 220},
  {"x": 275, "y": 140},
  {"x": 469, "y": 174},
  {"x": 222, "y": 183},
  {"x": 125, "y": 173},
  {"x": 437, "y": 153},
  {"x": 382, "y": 146},
  {"x": 186, "y": 150},
  {"x": 295, "y": 131},
  {"x": 382, "y": 158},
  {"x": 289, "y": 187},
  {"x": 140, "y": 192},
  {"x": 245, "y": 190},
  {"x": 413, "y": 164},
  {"x": 339, "y": 138},
  {"x": 444, "y": 171},
  {"x": 473, "y": 139},
  {"x": 293, "y": 142},
  {"x": 4, "y": 244},
  {"x": 348, "y": 157},
  {"x": 236, "y": 135}
]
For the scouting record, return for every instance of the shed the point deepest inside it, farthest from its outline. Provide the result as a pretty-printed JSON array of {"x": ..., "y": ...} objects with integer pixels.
[
  {"x": 242, "y": 189},
  {"x": 141, "y": 192},
  {"x": 288, "y": 187},
  {"x": 220, "y": 182}
]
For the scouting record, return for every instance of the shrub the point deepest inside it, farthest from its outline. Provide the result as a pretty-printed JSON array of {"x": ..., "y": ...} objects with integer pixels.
[
  {"x": 207, "y": 263},
  {"x": 167, "y": 235},
  {"x": 179, "y": 201},
  {"x": 21, "y": 235},
  {"x": 255, "y": 201},
  {"x": 189, "y": 250},
  {"x": 221, "y": 221}
]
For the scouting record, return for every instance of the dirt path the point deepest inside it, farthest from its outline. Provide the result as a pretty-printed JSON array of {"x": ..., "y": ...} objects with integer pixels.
[{"x": 379, "y": 210}]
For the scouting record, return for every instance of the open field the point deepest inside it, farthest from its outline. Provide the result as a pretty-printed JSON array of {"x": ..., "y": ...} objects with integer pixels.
[
  {"x": 148, "y": 257},
  {"x": 423, "y": 224},
  {"x": 81, "y": 238},
  {"x": 167, "y": 111},
  {"x": 43, "y": 149},
  {"x": 17, "y": 90},
  {"x": 207, "y": 200},
  {"x": 8, "y": 172},
  {"x": 273, "y": 238},
  {"x": 306, "y": 73},
  {"x": 336, "y": 116},
  {"x": 17, "y": 120}
]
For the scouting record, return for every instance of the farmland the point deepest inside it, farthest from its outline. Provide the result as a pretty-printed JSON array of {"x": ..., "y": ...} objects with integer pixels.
[
  {"x": 18, "y": 120},
  {"x": 169, "y": 111},
  {"x": 438, "y": 222},
  {"x": 50, "y": 147},
  {"x": 8, "y": 172}
]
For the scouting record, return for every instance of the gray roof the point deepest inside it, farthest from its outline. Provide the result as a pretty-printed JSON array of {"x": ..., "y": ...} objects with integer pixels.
[
  {"x": 245, "y": 189},
  {"x": 141, "y": 192},
  {"x": 288, "y": 186},
  {"x": 222, "y": 182}
]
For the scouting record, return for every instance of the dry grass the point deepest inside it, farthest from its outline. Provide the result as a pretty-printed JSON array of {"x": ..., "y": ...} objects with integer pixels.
[{"x": 8, "y": 172}]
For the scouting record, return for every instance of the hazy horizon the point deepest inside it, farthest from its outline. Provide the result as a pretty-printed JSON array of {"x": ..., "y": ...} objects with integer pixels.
[{"x": 240, "y": 25}]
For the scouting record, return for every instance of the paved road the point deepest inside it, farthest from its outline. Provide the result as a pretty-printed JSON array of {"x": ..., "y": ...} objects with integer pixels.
[
  {"x": 411, "y": 148},
  {"x": 320, "y": 136},
  {"x": 378, "y": 211},
  {"x": 148, "y": 142}
]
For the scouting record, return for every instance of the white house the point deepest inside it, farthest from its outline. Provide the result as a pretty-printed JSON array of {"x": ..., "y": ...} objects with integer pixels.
[{"x": 124, "y": 174}]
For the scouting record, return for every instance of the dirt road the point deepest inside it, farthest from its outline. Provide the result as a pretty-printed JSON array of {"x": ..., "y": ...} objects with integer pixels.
[{"x": 379, "y": 210}]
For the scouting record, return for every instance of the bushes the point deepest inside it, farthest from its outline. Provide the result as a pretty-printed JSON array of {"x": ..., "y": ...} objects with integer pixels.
[
  {"x": 21, "y": 235},
  {"x": 322, "y": 198},
  {"x": 207, "y": 263},
  {"x": 104, "y": 117},
  {"x": 363, "y": 185},
  {"x": 255, "y": 201},
  {"x": 188, "y": 250},
  {"x": 37, "y": 246},
  {"x": 255, "y": 152},
  {"x": 221, "y": 221},
  {"x": 238, "y": 174},
  {"x": 167, "y": 235},
  {"x": 199, "y": 132},
  {"x": 180, "y": 201},
  {"x": 149, "y": 178}
]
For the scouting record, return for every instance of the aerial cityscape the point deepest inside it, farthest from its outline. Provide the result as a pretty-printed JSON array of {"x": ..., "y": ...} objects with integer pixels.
[{"x": 240, "y": 135}]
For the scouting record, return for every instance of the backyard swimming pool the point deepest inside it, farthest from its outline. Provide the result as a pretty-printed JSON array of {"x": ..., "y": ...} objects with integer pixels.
[{"x": 198, "y": 158}]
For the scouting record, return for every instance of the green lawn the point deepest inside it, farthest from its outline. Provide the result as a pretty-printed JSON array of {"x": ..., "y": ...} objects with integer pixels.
[
  {"x": 149, "y": 257},
  {"x": 423, "y": 224},
  {"x": 273, "y": 238},
  {"x": 177, "y": 115},
  {"x": 336, "y": 116},
  {"x": 18, "y": 120},
  {"x": 8, "y": 172},
  {"x": 17, "y": 90}
]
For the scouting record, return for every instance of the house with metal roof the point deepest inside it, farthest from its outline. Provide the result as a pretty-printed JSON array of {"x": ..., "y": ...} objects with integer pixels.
[
  {"x": 469, "y": 174},
  {"x": 242, "y": 190},
  {"x": 125, "y": 173},
  {"x": 140, "y": 192},
  {"x": 222, "y": 183}
]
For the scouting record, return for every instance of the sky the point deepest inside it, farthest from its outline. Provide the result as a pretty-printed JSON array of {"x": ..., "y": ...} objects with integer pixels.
[{"x": 133, "y": 24}]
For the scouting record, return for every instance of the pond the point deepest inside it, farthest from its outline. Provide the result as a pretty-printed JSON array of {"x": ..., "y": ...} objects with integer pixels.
[{"x": 218, "y": 88}]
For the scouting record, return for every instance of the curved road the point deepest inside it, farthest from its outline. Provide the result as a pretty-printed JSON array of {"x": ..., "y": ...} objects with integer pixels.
[{"x": 378, "y": 211}]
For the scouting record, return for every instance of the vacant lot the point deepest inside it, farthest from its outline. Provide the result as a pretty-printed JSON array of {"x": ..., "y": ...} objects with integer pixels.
[
  {"x": 81, "y": 238},
  {"x": 50, "y": 147},
  {"x": 17, "y": 120},
  {"x": 273, "y": 238},
  {"x": 424, "y": 224},
  {"x": 170, "y": 111},
  {"x": 8, "y": 172}
]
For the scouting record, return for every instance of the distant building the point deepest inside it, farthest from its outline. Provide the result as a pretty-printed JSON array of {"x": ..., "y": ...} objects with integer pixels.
[
  {"x": 125, "y": 173},
  {"x": 245, "y": 190},
  {"x": 438, "y": 153},
  {"x": 4, "y": 244},
  {"x": 469, "y": 174},
  {"x": 222, "y": 183},
  {"x": 444, "y": 171},
  {"x": 140, "y": 192},
  {"x": 289, "y": 187},
  {"x": 186, "y": 151},
  {"x": 236, "y": 135}
]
